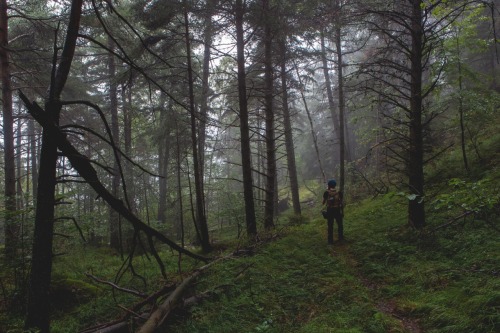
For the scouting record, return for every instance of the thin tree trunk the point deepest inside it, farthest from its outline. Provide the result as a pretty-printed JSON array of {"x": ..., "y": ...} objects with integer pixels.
[
  {"x": 269, "y": 112},
  {"x": 205, "y": 88},
  {"x": 416, "y": 212},
  {"x": 201, "y": 218},
  {"x": 114, "y": 218},
  {"x": 163, "y": 153},
  {"x": 340, "y": 76},
  {"x": 127, "y": 140},
  {"x": 180, "y": 229},
  {"x": 290, "y": 149},
  {"x": 246, "y": 160},
  {"x": 461, "y": 109},
  {"x": 19, "y": 172},
  {"x": 329, "y": 92},
  {"x": 11, "y": 229},
  {"x": 311, "y": 124},
  {"x": 34, "y": 158},
  {"x": 39, "y": 301}
]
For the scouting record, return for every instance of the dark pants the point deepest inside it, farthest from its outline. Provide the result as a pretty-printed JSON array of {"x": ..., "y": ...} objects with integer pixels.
[{"x": 334, "y": 214}]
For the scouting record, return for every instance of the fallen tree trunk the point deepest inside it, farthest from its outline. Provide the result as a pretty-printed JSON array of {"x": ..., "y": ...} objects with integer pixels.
[{"x": 159, "y": 315}]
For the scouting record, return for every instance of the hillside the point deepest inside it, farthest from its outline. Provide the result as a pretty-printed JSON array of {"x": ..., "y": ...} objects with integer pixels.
[
  {"x": 382, "y": 279},
  {"x": 385, "y": 277}
]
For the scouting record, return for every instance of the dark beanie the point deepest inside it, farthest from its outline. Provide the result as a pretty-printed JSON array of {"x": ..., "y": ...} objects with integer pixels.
[{"x": 332, "y": 183}]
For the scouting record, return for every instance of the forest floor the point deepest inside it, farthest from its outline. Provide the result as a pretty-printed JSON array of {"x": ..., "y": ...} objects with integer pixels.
[
  {"x": 383, "y": 303},
  {"x": 384, "y": 278}
]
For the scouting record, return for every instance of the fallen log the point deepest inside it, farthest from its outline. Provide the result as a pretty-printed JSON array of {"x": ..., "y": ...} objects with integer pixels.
[{"x": 161, "y": 313}]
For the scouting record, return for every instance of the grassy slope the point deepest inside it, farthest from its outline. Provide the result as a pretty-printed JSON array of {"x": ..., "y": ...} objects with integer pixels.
[{"x": 384, "y": 279}]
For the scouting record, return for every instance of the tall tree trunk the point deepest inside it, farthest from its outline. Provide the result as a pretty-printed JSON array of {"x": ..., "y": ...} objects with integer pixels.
[
  {"x": 201, "y": 218},
  {"x": 290, "y": 149},
  {"x": 329, "y": 91},
  {"x": 38, "y": 307},
  {"x": 269, "y": 112},
  {"x": 340, "y": 76},
  {"x": 162, "y": 169},
  {"x": 164, "y": 155},
  {"x": 205, "y": 88},
  {"x": 461, "y": 107},
  {"x": 114, "y": 217},
  {"x": 416, "y": 212},
  {"x": 311, "y": 124},
  {"x": 19, "y": 169},
  {"x": 11, "y": 229},
  {"x": 180, "y": 226},
  {"x": 127, "y": 140},
  {"x": 246, "y": 160},
  {"x": 34, "y": 157}
]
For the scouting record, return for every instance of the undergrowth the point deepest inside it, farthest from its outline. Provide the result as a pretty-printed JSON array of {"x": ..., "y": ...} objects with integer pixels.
[
  {"x": 386, "y": 277},
  {"x": 444, "y": 281}
]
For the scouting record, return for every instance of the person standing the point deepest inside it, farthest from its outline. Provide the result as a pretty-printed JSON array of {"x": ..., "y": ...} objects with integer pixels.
[{"x": 334, "y": 210}]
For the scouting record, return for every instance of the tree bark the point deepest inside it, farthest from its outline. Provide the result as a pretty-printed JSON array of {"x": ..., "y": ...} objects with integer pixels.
[
  {"x": 127, "y": 139},
  {"x": 269, "y": 120},
  {"x": 33, "y": 157},
  {"x": 290, "y": 149},
  {"x": 461, "y": 107},
  {"x": 11, "y": 229},
  {"x": 340, "y": 76},
  {"x": 205, "y": 87},
  {"x": 201, "y": 218},
  {"x": 246, "y": 160},
  {"x": 164, "y": 309},
  {"x": 416, "y": 212},
  {"x": 114, "y": 219},
  {"x": 38, "y": 307},
  {"x": 160, "y": 314},
  {"x": 180, "y": 226},
  {"x": 164, "y": 154},
  {"x": 329, "y": 92},
  {"x": 19, "y": 170},
  {"x": 311, "y": 124}
]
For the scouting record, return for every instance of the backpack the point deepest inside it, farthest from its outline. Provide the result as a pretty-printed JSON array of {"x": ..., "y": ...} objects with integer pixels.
[{"x": 334, "y": 199}]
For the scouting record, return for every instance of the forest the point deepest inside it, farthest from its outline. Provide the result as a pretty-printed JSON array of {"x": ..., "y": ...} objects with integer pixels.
[{"x": 164, "y": 164}]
